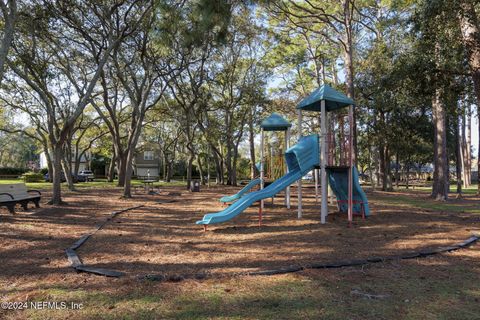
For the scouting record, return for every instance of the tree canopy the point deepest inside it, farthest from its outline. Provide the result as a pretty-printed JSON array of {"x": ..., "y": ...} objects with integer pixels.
[{"x": 193, "y": 80}]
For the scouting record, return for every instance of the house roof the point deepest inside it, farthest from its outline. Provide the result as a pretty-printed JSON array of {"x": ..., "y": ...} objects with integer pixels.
[{"x": 333, "y": 100}]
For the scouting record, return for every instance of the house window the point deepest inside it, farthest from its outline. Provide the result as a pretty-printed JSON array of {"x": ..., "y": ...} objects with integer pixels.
[{"x": 148, "y": 155}]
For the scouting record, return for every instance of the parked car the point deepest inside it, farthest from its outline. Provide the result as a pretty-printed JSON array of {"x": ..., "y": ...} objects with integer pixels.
[
  {"x": 47, "y": 177},
  {"x": 75, "y": 178},
  {"x": 80, "y": 178},
  {"x": 88, "y": 174},
  {"x": 363, "y": 178},
  {"x": 308, "y": 176}
]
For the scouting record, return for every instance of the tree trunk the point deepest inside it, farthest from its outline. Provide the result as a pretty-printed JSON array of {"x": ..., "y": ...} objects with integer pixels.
[
  {"x": 458, "y": 155},
  {"x": 200, "y": 169},
  {"x": 233, "y": 174},
  {"x": 440, "y": 174},
  {"x": 57, "y": 175},
  {"x": 67, "y": 160},
  {"x": 463, "y": 147},
  {"x": 228, "y": 165},
  {"x": 397, "y": 176},
  {"x": 165, "y": 164},
  {"x": 169, "y": 171},
  {"x": 471, "y": 39},
  {"x": 218, "y": 168},
  {"x": 388, "y": 169},
  {"x": 9, "y": 20},
  {"x": 407, "y": 178},
  {"x": 208, "y": 167},
  {"x": 383, "y": 167},
  {"x": 135, "y": 131},
  {"x": 370, "y": 169},
  {"x": 228, "y": 161},
  {"x": 67, "y": 169},
  {"x": 127, "y": 187},
  {"x": 349, "y": 69},
  {"x": 251, "y": 139},
  {"x": 48, "y": 157},
  {"x": 76, "y": 167},
  {"x": 191, "y": 157},
  {"x": 111, "y": 168},
  {"x": 341, "y": 139},
  {"x": 332, "y": 142},
  {"x": 121, "y": 168},
  {"x": 468, "y": 148}
]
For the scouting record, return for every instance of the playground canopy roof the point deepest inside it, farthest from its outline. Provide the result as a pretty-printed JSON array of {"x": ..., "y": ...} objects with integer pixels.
[
  {"x": 275, "y": 122},
  {"x": 333, "y": 100}
]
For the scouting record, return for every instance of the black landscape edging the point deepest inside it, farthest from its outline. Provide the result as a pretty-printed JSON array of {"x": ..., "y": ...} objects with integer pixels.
[
  {"x": 78, "y": 265},
  {"x": 76, "y": 262},
  {"x": 329, "y": 265}
]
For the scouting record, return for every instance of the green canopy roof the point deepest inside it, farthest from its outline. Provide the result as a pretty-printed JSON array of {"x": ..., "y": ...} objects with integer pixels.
[
  {"x": 333, "y": 100},
  {"x": 275, "y": 122}
]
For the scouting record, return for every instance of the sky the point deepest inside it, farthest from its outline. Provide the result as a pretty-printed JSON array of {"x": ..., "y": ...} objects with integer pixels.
[{"x": 475, "y": 135}]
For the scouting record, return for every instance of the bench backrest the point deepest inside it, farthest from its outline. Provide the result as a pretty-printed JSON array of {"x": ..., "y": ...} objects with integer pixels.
[{"x": 17, "y": 190}]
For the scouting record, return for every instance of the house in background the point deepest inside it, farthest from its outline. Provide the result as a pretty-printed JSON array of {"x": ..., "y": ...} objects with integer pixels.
[
  {"x": 147, "y": 161},
  {"x": 83, "y": 163}
]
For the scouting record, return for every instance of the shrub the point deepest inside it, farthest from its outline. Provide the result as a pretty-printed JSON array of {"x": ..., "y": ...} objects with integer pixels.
[
  {"x": 33, "y": 177},
  {"x": 12, "y": 171},
  {"x": 44, "y": 171}
]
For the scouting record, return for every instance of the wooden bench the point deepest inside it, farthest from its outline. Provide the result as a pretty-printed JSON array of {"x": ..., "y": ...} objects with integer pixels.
[{"x": 13, "y": 194}]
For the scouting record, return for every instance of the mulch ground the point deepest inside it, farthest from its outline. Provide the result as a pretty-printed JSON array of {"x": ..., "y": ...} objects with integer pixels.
[{"x": 162, "y": 237}]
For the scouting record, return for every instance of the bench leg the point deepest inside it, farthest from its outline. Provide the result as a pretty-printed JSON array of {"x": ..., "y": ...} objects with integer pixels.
[
  {"x": 37, "y": 203},
  {"x": 24, "y": 205},
  {"x": 11, "y": 208}
]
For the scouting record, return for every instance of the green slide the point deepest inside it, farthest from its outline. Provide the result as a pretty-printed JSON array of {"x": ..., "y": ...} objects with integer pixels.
[
  {"x": 338, "y": 180},
  {"x": 240, "y": 193}
]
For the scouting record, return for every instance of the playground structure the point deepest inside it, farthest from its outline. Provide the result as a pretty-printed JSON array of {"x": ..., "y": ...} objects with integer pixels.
[
  {"x": 240, "y": 193},
  {"x": 275, "y": 167},
  {"x": 332, "y": 155},
  {"x": 301, "y": 158},
  {"x": 336, "y": 155},
  {"x": 274, "y": 122}
]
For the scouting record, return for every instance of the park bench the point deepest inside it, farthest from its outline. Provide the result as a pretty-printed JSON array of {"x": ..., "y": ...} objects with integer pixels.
[{"x": 17, "y": 193}]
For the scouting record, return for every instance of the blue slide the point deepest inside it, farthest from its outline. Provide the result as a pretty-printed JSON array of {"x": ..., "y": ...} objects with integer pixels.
[
  {"x": 240, "y": 193},
  {"x": 301, "y": 158},
  {"x": 338, "y": 180}
]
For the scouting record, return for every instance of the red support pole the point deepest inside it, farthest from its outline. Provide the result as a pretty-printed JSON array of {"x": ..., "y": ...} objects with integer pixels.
[
  {"x": 350, "y": 166},
  {"x": 260, "y": 216}
]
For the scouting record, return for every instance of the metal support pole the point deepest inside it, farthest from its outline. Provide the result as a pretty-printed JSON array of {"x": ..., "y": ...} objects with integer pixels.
[
  {"x": 350, "y": 164},
  {"x": 299, "y": 183},
  {"x": 208, "y": 167},
  {"x": 323, "y": 161},
  {"x": 316, "y": 173},
  {"x": 287, "y": 191},
  {"x": 262, "y": 168},
  {"x": 327, "y": 154},
  {"x": 270, "y": 168}
]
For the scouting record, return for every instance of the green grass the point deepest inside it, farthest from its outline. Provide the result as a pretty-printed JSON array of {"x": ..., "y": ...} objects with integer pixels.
[
  {"x": 409, "y": 292},
  {"x": 98, "y": 183},
  {"x": 404, "y": 201},
  {"x": 403, "y": 198},
  {"x": 472, "y": 190}
]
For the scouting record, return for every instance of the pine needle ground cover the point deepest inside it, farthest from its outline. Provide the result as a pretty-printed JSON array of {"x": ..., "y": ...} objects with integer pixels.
[{"x": 162, "y": 239}]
